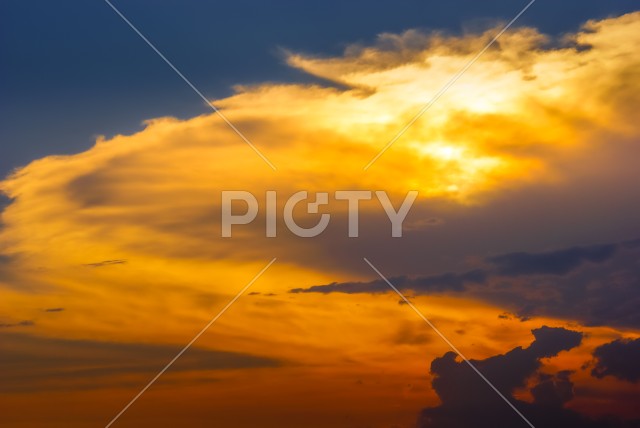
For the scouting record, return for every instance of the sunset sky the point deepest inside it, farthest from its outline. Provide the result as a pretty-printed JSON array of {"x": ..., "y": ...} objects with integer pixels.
[{"x": 522, "y": 248}]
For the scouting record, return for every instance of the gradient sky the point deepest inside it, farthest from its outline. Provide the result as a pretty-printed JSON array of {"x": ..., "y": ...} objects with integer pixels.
[{"x": 523, "y": 246}]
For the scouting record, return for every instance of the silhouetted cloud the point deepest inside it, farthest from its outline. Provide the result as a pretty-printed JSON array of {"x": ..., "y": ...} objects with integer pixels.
[
  {"x": 54, "y": 309},
  {"x": 551, "y": 263},
  {"x": 559, "y": 262},
  {"x": 506, "y": 372},
  {"x": 433, "y": 283},
  {"x": 467, "y": 401},
  {"x": 511, "y": 265},
  {"x": 620, "y": 358},
  {"x": 553, "y": 390},
  {"x": 595, "y": 285},
  {"x": 596, "y": 294}
]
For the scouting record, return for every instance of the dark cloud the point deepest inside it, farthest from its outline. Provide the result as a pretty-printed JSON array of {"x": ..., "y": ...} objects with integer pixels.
[
  {"x": 559, "y": 262},
  {"x": 54, "y": 309},
  {"x": 595, "y": 295},
  {"x": 106, "y": 263},
  {"x": 553, "y": 390},
  {"x": 506, "y": 372},
  {"x": 467, "y": 401},
  {"x": 620, "y": 358},
  {"x": 25, "y": 323},
  {"x": 36, "y": 363},
  {"x": 377, "y": 286},
  {"x": 450, "y": 281},
  {"x": 422, "y": 285},
  {"x": 257, "y": 293},
  {"x": 595, "y": 285}
]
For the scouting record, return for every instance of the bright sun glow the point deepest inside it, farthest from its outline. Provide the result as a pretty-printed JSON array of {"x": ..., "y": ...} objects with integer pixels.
[
  {"x": 442, "y": 151},
  {"x": 461, "y": 168}
]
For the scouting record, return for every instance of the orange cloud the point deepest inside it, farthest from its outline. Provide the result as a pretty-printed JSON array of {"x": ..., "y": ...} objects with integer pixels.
[{"x": 531, "y": 110}]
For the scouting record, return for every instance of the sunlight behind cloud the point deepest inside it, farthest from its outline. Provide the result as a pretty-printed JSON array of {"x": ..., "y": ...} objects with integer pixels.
[
  {"x": 528, "y": 112},
  {"x": 515, "y": 118}
]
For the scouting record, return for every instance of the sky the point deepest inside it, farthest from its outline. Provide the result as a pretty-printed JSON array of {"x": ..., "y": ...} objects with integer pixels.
[{"x": 522, "y": 248}]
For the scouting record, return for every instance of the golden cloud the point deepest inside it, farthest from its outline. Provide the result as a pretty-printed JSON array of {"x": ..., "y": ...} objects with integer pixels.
[{"x": 525, "y": 110}]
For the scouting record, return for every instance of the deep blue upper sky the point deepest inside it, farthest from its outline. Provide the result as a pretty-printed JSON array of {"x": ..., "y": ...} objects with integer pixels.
[{"x": 72, "y": 69}]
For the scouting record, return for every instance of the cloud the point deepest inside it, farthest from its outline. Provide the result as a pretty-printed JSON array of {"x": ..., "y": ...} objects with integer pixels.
[
  {"x": 602, "y": 291},
  {"x": 596, "y": 285},
  {"x": 558, "y": 262},
  {"x": 54, "y": 309},
  {"x": 497, "y": 178},
  {"x": 24, "y": 323},
  {"x": 411, "y": 334},
  {"x": 40, "y": 363},
  {"x": 506, "y": 372},
  {"x": 553, "y": 390},
  {"x": 106, "y": 263},
  {"x": 619, "y": 359},
  {"x": 434, "y": 283},
  {"x": 552, "y": 262},
  {"x": 156, "y": 193},
  {"x": 466, "y": 400}
]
